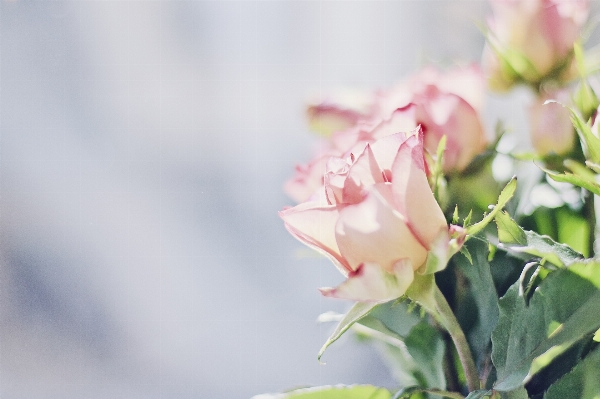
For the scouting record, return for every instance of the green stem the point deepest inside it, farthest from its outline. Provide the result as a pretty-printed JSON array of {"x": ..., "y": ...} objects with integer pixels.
[
  {"x": 589, "y": 213},
  {"x": 448, "y": 320}
]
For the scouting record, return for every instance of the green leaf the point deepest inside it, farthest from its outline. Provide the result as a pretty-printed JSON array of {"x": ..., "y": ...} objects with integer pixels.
[
  {"x": 357, "y": 312},
  {"x": 597, "y": 335},
  {"x": 592, "y": 143},
  {"x": 516, "y": 240},
  {"x": 581, "y": 383},
  {"x": 465, "y": 251},
  {"x": 578, "y": 180},
  {"x": 529, "y": 336},
  {"x": 483, "y": 291},
  {"x": 332, "y": 392},
  {"x": 483, "y": 394},
  {"x": 426, "y": 347},
  {"x": 412, "y": 392},
  {"x": 509, "y": 232},
  {"x": 413, "y": 349},
  {"x": 519, "y": 393},
  {"x": 503, "y": 199},
  {"x": 392, "y": 318}
]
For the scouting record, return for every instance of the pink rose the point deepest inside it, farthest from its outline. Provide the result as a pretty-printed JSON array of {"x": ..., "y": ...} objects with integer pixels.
[
  {"x": 339, "y": 111},
  {"x": 375, "y": 218},
  {"x": 442, "y": 113},
  {"x": 532, "y": 37},
  {"x": 441, "y": 103},
  {"x": 550, "y": 124}
]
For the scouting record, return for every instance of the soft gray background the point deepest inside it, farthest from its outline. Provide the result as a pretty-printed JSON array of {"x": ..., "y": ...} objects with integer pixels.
[{"x": 143, "y": 149}]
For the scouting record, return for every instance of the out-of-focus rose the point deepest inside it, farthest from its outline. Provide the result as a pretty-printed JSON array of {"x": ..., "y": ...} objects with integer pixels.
[
  {"x": 441, "y": 113},
  {"x": 375, "y": 218},
  {"x": 441, "y": 103},
  {"x": 550, "y": 124},
  {"x": 531, "y": 39},
  {"x": 339, "y": 111}
]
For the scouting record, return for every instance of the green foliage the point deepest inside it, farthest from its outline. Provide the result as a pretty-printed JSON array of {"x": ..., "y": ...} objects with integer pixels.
[
  {"x": 357, "y": 312},
  {"x": 530, "y": 335},
  {"x": 411, "y": 346},
  {"x": 590, "y": 141},
  {"x": 419, "y": 393},
  {"x": 519, "y": 393},
  {"x": 521, "y": 242},
  {"x": 483, "y": 293},
  {"x": 581, "y": 176},
  {"x": 503, "y": 199},
  {"x": 333, "y": 392},
  {"x": 585, "y": 98},
  {"x": 583, "y": 382}
]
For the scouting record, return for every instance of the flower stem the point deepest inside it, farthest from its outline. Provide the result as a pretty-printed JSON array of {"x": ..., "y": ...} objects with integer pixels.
[
  {"x": 448, "y": 320},
  {"x": 589, "y": 212}
]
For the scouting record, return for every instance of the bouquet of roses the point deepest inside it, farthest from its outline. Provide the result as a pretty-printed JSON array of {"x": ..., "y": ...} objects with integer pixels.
[{"x": 470, "y": 284}]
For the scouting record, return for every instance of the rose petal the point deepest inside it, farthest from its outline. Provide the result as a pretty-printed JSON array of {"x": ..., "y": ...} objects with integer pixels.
[
  {"x": 412, "y": 196},
  {"x": 371, "y": 283},
  {"x": 386, "y": 149},
  {"x": 363, "y": 173},
  {"x": 550, "y": 125},
  {"x": 307, "y": 180},
  {"x": 372, "y": 231},
  {"x": 314, "y": 225}
]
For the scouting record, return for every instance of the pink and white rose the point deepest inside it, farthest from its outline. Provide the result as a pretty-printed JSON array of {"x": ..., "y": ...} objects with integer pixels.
[
  {"x": 339, "y": 111},
  {"x": 443, "y": 104},
  {"x": 375, "y": 217},
  {"x": 531, "y": 38},
  {"x": 550, "y": 124}
]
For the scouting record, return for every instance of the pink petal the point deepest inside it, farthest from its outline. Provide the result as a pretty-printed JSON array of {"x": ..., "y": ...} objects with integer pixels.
[
  {"x": 400, "y": 120},
  {"x": 363, "y": 173},
  {"x": 412, "y": 196},
  {"x": 371, "y": 283},
  {"x": 372, "y": 231},
  {"x": 446, "y": 114},
  {"x": 550, "y": 125},
  {"x": 386, "y": 149},
  {"x": 307, "y": 179},
  {"x": 314, "y": 225}
]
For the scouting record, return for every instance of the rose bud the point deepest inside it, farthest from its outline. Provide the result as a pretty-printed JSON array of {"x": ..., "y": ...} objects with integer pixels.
[
  {"x": 550, "y": 124},
  {"x": 531, "y": 40},
  {"x": 339, "y": 111}
]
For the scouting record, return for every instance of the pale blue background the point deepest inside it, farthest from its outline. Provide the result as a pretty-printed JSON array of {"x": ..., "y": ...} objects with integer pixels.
[{"x": 143, "y": 149}]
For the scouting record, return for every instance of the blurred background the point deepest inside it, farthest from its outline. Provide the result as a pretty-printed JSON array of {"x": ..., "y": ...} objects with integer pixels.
[{"x": 144, "y": 145}]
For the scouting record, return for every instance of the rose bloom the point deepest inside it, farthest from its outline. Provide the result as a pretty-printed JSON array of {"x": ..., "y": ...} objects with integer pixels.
[
  {"x": 443, "y": 104},
  {"x": 550, "y": 124},
  {"x": 375, "y": 216},
  {"x": 535, "y": 37}
]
